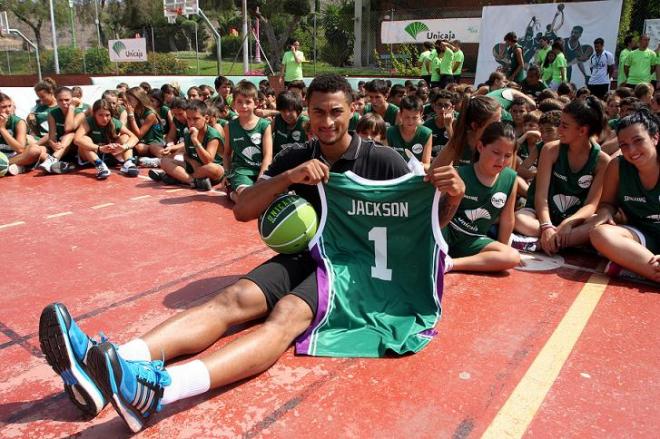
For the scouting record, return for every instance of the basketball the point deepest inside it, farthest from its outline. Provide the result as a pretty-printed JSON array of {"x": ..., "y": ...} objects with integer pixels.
[
  {"x": 4, "y": 164},
  {"x": 288, "y": 224}
]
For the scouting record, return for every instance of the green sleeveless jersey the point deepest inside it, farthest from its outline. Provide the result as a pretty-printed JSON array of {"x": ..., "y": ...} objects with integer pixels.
[
  {"x": 283, "y": 134},
  {"x": 568, "y": 190},
  {"x": 41, "y": 113},
  {"x": 481, "y": 205},
  {"x": 466, "y": 158},
  {"x": 352, "y": 124},
  {"x": 211, "y": 133},
  {"x": 416, "y": 144},
  {"x": 155, "y": 133},
  {"x": 58, "y": 116},
  {"x": 440, "y": 137},
  {"x": 164, "y": 111},
  {"x": 641, "y": 206},
  {"x": 513, "y": 63},
  {"x": 377, "y": 293},
  {"x": 246, "y": 147},
  {"x": 11, "y": 129},
  {"x": 98, "y": 134},
  {"x": 82, "y": 108},
  {"x": 523, "y": 151},
  {"x": 390, "y": 113},
  {"x": 181, "y": 131}
]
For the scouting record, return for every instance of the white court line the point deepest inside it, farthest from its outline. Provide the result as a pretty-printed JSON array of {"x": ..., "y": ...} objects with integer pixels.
[
  {"x": 144, "y": 177},
  {"x": 57, "y": 215},
  {"x": 101, "y": 206},
  {"x": 141, "y": 197},
  {"x": 16, "y": 223},
  {"x": 169, "y": 191}
]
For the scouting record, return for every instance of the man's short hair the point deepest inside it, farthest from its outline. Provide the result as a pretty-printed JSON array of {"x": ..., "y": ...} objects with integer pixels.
[
  {"x": 197, "y": 105},
  {"x": 511, "y": 36},
  {"x": 330, "y": 83},
  {"x": 289, "y": 100},
  {"x": 377, "y": 86},
  {"x": 600, "y": 41}
]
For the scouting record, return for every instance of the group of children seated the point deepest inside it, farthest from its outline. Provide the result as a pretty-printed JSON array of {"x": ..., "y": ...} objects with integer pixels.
[{"x": 543, "y": 170}]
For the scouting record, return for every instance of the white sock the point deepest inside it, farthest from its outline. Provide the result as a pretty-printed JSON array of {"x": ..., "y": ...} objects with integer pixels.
[
  {"x": 135, "y": 350},
  {"x": 449, "y": 263},
  {"x": 189, "y": 379}
]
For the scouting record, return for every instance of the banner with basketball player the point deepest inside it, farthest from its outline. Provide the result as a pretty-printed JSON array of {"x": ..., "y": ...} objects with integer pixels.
[{"x": 577, "y": 25}]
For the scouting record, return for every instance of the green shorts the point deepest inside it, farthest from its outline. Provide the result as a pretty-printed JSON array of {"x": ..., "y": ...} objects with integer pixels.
[
  {"x": 237, "y": 180},
  {"x": 461, "y": 244},
  {"x": 647, "y": 238}
]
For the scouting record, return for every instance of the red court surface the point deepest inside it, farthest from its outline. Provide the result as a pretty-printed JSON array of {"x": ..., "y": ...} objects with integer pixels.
[{"x": 126, "y": 253}]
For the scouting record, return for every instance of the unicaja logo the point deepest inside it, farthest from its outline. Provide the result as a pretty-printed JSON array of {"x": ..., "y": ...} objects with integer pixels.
[
  {"x": 118, "y": 47},
  {"x": 414, "y": 28}
]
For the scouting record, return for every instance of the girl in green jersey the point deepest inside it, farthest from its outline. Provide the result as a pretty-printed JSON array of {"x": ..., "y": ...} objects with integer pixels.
[
  {"x": 101, "y": 138},
  {"x": 569, "y": 181},
  {"x": 632, "y": 183},
  {"x": 143, "y": 121},
  {"x": 157, "y": 99},
  {"x": 61, "y": 130},
  {"x": 13, "y": 139},
  {"x": 37, "y": 120},
  {"x": 477, "y": 113},
  {"x": 490, "y": 198}
]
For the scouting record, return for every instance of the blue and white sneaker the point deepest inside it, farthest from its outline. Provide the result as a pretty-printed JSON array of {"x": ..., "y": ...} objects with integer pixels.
[
  {"x": 135, "y": 388},
  {"x": 66, "y": 347}
]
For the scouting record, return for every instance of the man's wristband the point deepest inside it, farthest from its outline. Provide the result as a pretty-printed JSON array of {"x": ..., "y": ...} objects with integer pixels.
[{"x": 546, "y": 226}]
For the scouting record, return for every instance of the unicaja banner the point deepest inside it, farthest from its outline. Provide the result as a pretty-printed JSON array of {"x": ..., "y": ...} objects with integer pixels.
[
  {"x": 576, "y": 24},
  {"x": 417, "y": 31},
  {"x": 128, "y": 50}
]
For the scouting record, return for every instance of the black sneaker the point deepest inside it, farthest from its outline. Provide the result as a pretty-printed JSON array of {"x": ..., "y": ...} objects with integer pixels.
[
  {"x": 203, "y": 184},
  {"x": 156, "y": 175},
  {"x": 169, "y": 180}
]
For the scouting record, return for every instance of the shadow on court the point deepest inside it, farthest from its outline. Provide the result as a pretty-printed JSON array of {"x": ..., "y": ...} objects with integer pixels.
[{"x": 197, "y": 292}]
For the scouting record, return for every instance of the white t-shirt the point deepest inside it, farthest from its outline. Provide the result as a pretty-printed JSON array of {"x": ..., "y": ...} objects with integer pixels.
[{"x": 599, "y": 64}]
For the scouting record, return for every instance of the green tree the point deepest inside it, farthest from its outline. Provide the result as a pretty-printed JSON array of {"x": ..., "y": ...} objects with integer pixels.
[
  {"x": 337, "y": 22},
  {"x": 36, "y": 13}
]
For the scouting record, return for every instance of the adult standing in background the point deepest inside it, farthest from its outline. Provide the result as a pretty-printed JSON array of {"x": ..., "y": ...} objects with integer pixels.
[
  {"x": 602, "y": 68},
  {"x": 640, "y": 63},
  {"x": 459, "y": 58},
  {"x": 442, "y": 64},
  {"x": 292, "y": 61},
  {"x": 424, "y": 60},
  {"x": 629, "y": 43},
  {"x": 542, "y": 52},
  {"x": 516, "y": 72}
]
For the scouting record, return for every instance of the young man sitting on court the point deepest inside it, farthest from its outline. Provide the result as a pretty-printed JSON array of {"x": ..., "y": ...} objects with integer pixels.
[{"x": 283, "y": 290}]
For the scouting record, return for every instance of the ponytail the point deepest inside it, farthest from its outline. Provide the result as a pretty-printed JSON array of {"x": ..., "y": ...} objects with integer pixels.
[
  {"x": 474, "y": 109},
  {"x": 588, "y": 112}
]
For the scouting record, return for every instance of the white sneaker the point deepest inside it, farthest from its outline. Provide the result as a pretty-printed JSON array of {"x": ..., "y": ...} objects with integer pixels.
[
  {"x": 102, "y": 171},
  {"x": 528, "y": 244},
  {"x": 46, "y": 164},
  {"x": 15, "y": 169},
  {"x": 129, "y": 169},
  {"x": 149, "y": 162}
]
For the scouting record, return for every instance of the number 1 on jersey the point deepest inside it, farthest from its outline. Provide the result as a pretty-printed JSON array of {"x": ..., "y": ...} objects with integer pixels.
[{"x": 379, "y": 236}]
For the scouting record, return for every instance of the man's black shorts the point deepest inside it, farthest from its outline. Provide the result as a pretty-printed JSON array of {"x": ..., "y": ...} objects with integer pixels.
[{"x": 287, "y": 274}]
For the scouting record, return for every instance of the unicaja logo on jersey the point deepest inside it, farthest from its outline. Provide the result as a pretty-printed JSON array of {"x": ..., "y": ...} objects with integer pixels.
[
  {"x": 585, "y": 181},
  {"x": 417, "y": 148},
  {"x": 498, "y": 200},
  {"x": 256, "y": 138}
]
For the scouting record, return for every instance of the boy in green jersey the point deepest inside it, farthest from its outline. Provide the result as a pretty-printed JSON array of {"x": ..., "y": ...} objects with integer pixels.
[
  {"x": 289, "y": 123},
  {"x": 410, "y": 134},
  {"x": 378, "y": 92},
  {"x": 490, "y": 198},
  {"x": 442, "y": 124},
  {"x": 249, "y": 142},
  {"x": 202, "y": 165}
]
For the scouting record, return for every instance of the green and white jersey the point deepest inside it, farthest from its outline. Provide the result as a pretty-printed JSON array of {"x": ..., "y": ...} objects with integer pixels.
[
  {"x": 164, "y": 111},
  {"x": 155, "y": 133},
  {"x": 99, "y": 135},
  {"x": 352, "y": 124},
  {"x": 523, "y": 151},
  {"x": 211, "y": 133},
  {"x": 390, "y": 113},
  {"x": 246, "y": 147},
  {"x": 513, "y": 63},
  {"x": 440, "y": 137},
  {"x": 41, "y": 113},
  {"x": 377, "y": 293},
  {"x": 466, "y": 158},
  {"x": 283, "y": 134},
  {"x": 481, "y": 205},
  {"x": 82, "y": 108},
  {"x": 415, "y": 145},
  {"x": 641, "y": 206},
  {"x": 181, "y": 131},
  {"x": 59, "y": 116},
  {"x": 568, "y": 190},
  {"x": 12, "y": 122}
]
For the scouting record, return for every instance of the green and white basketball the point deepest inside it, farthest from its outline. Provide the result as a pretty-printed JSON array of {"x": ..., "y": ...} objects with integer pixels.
[
  {"x": 4, "y": 164},
  {"x": 288, "y": 224}
]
